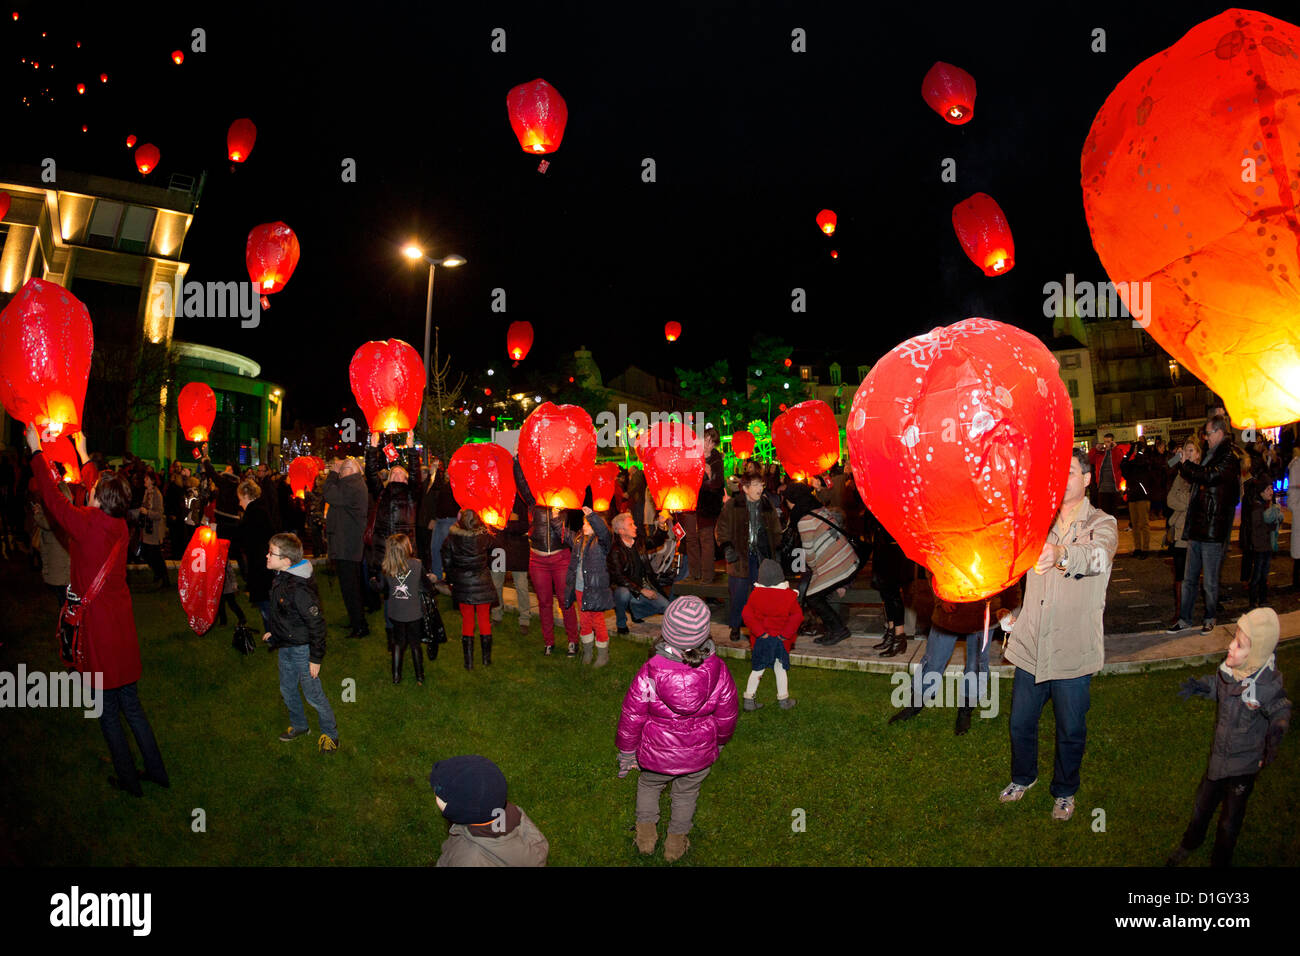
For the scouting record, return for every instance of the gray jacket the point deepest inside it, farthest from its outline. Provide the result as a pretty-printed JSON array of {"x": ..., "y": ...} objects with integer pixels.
[
  {"x": 345, "y": 524},
  {"x": 1242, "y": 735},
  {"x": 523, "y": 845}
]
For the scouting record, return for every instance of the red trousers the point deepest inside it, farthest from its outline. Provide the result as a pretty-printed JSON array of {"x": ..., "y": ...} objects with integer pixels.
[
  {"x": 593, "y": 622},
  {"x": 467, "y": 614},
  {"x": 547, "y": 573}
]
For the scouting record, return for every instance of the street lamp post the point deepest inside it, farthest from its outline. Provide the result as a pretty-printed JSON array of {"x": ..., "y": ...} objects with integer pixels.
[{"x": 414, "y": 253}]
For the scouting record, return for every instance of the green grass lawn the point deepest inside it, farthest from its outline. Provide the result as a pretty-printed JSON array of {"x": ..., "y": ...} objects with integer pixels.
[{"x": 909, "y": 794}]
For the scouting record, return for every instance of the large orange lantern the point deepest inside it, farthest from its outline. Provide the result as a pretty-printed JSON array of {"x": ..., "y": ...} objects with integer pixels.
[
  {"x": 949, "y": 91},
  {"x": 196, "y": 406},
  {"x": 538, "y": 114},
  {"x": 826, "y": 221},
  {"x": 271, "y": 255},
  {"x": 46, "y": 341},
  {"x": 302, "y": 474},
  {"x": 984, "y": 234},
  {"x": 62, "y": 451},
  {"x": 806, "y": 439},
  {"x": 519, "y": 339},
  {"x": 482, "y": 478},
  {"x": 388, "y": 383},
  {"x": 201, "y": 577},
  {"x": 4, "y": 204},
  {"x": 960, "y": 441},
  {"x": 603, "y": 479},
  {"x": 239, "y": 139},
  {"x": 557, "y": 452},
  {"x": 742, "y": 444},
  {"x": 1190, "y": 176},
  {"x": 673, "y": 460},
  {"x": 672, "y": 331},
  {"x": 146, "y": 158}
]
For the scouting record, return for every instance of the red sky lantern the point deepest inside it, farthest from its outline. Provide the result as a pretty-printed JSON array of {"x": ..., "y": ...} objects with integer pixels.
[
  {"x": 85, "y": 129},
  {"x": 62, "y": 450},
  {"x": 178, "y": 57},
  {"x": 834, "y": 254},
  {"x": 388, "y": 383},
  {"x": 240, "y": 138},
  {"x": 4, "y": 204},
  {"x": 557, "y": 452},
  {"x": 984, "y": 234},
  {"x": 196, "y": 406},
  {"x": 806, "y": 439},
  {"x": 788, "y": 362},
  {"x": 960, "y": 442},
  {"x": 146, "y": 158},
  {"x": 201, "y": 577},
  {"x": 103, "y": 77},
  {"x": 826, "y": 221},
  {"x": 519, "y": 339},
  {"x": 742, "y": 444},
  {"x": 672, "y": 331},
  {"x": 673, "y": 461},
  {"x": 81, "y": 89},
  {"x": 950, "y": 91},
  {"x": 482, "y": 477},
  {"x": 537, "y": 115},
  {"x": 15, "y": 14},
  {"x": 782, "y": 406},
  {"x": 130, "y": 141},
  {"x": 602, "y": 485},
  {"x": 1189, "y": 184},
  {"x": 46, "y": 341},
  {"x": 302, "y": 474},
  {"x": 271, "y": 255}
]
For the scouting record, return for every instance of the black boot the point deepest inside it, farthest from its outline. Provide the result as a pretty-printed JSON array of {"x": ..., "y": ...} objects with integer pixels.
[
  {"x": 963, "y": 720},
  {"x": 898, "y": 647},
  {"x": 485, "y": 642},
  {"x": 467, "y": 645},
  {"x": 399, "y": 652},
  {"x": 417, "y": 656},
  {"x": 906, "y": 713},
  {"x": 887, "y": 640}
]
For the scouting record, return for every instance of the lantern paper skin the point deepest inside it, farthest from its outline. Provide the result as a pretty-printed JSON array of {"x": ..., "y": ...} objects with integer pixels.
[
  {"x": 960, "y": 441},
  {"x": 602, "y": 485},
  {"x": 557, "y": 452},
  {"x": 950, "y": 91},
  {"x": 984, "y": 234},
  {"x": 742, "y": 444},
  {"x": 130, "y": 141},
  {"x": 63, "y": 451},
  {"x": 674, "y": 464},
  {"x": 806, "y": 439},
  {"x": 672, "y": 331},
  {"x": 519, "y": 339},
  {"x": 46, "y": 341},
  {"x": 1162, "y": 172},
  {"x": 482, "y": 478},
  {"x": 196, "y": 406},
  {"x": 271, "y": 256},
  {"x": 201, "y": 577},
  {"x": 147, "y": 157},
  {"x": 826, "y": 221},
  {"x": 538, "y": 115},
  {"x": 388, "y": 383},
  {"x": 4, "y": 204},
  {"x": 302, "y": 474},
  {"x": 239, "y": 139}
]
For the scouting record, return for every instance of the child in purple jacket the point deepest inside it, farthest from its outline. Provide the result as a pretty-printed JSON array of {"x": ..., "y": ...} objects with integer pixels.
[{"x": 678, "y": 714}]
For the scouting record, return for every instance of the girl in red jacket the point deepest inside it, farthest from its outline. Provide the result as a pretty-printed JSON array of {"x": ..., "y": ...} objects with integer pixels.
[{"x": 773, "y": 616}]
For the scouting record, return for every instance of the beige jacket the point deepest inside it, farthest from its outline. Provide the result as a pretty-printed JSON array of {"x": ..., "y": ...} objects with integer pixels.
[
  {"x": 1058, "y": 634},
  {"x": 1177, "y": 499}
]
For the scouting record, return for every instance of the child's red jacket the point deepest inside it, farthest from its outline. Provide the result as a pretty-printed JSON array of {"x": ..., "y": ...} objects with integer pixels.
[{"x": 773, "y": 611}]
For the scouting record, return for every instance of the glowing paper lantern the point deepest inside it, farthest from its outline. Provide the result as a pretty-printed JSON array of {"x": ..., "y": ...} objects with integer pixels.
[
  {"x": 271, "y": 255},
  {"x": 672, "y": 331},
  {"x": 62, "y": 451},
  {"x": 482, "y": 477},
  {"x": 178, "y": 57},
  {"x": 46, "y": 341},
  {"x": 538, "y": 114},
  {"x": 557, "y": 452},
  {"x": 146, "y": 158},
  {"x": 201, "y": 577},
  {"x": 130, "y": 141},
  {"x": 388, "y": 383},
  {"x": 4, "y": 204},
  {"x": 603, "y": 479},
  {"x": 1190, "y": 178},
  {"x": 103, "y": 77},
  {"x": 302, "y": 474},
  {"x": 984, "y": 234},
  {"x": 960, "y": 442},
  {"x": 81, "y": 89},
  {"x": 826, "y": 221},
  {"x": 240, "y": 138},
  {"x": 806, "y": 439},
  {"x": 196, "y": 406},
  {"x": 742, "y": 445},
  {"x": 949, "y": 91},
  {"x": 673, "y": 461},
  {"x": 519, "y": 339}
]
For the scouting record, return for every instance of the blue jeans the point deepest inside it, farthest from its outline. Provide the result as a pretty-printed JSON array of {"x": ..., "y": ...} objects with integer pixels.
[
  {"x": 441, "y": 528},
  {"x": 1070, "y": 700},
  {"x": 1206, "y": 556},
  {"x": 294, "y": 672},
  {"x": 641, "y": 606},
  {"x": 117, "y": 703},
  {"x": 738, "y": 591},
  {"x": 938, "y": 651}
]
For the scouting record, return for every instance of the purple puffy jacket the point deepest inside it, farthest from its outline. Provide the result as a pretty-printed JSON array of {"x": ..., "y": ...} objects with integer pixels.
[{"x": 677, "y": 717}]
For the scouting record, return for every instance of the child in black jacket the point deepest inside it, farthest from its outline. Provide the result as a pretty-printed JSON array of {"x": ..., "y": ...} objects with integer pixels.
[{"x": 298, "y": 632}]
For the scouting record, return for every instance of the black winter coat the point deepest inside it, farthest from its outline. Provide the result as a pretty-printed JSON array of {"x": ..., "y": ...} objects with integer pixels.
[
  {"x": 590, "y": 559},
  {"x": 514, "y": 538},
  {"x": 709, "y": 504},
  {"x": 629, "y": 565},
  {"x": 1215, "y": 486},
  {"x": 394, "y": 514},
  {"x": 1138, "y": 479},
  {"x": 1242, "y": 735},
  {"x": 346, "y": 522},
  {"x": 467, "y": 565},
  {"x": 545, "y": 531},
  {"x": 253, "y": 536},
  {"x": 296, "y": 616}
]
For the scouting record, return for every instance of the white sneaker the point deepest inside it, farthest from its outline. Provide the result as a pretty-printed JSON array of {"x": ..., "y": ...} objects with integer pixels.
[
  {"x": 1014, "y": 791},
  {"x": 1063, "y": 809}
]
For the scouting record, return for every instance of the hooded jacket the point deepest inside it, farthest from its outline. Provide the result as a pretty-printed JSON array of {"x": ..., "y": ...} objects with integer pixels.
[
  {"x": 519, "y": 844},
  {"x": 591, "y": 560},
  {"x": 467, "y": 564},
  {"x": 1215, "y": 487},
  {"x": 773, "y": 611},
  {"x": 296, "y": 616},
  {"x": 676, "y": 718}
]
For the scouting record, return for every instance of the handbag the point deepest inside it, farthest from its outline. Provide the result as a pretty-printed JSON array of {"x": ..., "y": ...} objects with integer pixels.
[
  {"x": 73, "y": 612},
  {"x": 434, "y": 631},
  {"x": 244, "y": 640}
]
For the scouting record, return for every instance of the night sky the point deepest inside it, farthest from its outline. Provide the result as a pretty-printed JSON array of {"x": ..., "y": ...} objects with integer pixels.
[{"x": 750, "y": 141}]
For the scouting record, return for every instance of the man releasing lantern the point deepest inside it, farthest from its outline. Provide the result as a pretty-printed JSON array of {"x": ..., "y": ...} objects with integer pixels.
[
  {"x": 984, "y": 234},
  {"x": 196, "y": 406},
  {"x": 557, "y": 453},
  {"x": 482, "y": 477},
  {"x": 388, "y": 381},
  {"x": 46, "y": 341},
  {"x": 806, "y": 439}
]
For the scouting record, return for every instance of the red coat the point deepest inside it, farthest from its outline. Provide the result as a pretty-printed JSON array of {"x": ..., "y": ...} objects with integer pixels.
[
  {"x": 108, "y": 639},
  {"x": 1117, "y": 454},
  {"x": 773, "y": 611}
]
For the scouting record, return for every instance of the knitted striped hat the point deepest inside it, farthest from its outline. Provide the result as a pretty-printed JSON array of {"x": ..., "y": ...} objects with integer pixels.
[{"x": 686, "y": 622}]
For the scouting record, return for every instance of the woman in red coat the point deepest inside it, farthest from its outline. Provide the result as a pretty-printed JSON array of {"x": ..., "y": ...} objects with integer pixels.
[{"x": 109, "y": 654}]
